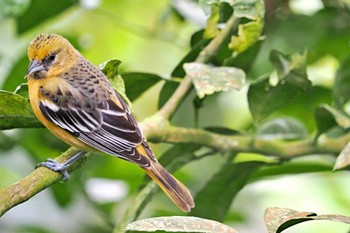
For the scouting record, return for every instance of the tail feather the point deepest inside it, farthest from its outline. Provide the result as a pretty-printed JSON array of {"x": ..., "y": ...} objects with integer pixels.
[{"x": 175, "y": 190}]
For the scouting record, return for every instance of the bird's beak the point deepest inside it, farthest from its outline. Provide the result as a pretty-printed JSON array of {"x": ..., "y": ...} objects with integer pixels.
[{"x": 34, "y": 66}]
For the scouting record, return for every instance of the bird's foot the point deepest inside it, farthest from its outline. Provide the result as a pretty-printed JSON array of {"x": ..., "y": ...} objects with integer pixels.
[{"x": 55, "y": 166}]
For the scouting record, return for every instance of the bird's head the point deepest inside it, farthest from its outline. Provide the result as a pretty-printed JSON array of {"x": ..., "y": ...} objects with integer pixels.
[{"x": 49, "y": 55}]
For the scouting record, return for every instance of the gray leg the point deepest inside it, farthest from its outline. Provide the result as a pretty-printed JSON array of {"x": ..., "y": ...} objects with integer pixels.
[{"x": 61, "y": 167}]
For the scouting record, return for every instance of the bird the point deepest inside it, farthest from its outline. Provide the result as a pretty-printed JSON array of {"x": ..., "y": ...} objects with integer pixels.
[{"x": 74, "y": 100}]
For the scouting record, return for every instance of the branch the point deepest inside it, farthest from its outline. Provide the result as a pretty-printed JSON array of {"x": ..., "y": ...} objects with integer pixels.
[{"x": 243, "y": 143}]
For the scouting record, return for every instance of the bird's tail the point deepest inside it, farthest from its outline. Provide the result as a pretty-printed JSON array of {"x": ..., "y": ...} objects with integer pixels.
[{"x": 175, "y": 190}]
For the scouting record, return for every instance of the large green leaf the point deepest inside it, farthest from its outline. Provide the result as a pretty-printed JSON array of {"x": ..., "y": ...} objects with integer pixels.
[
  {"x": 214, "y": 200},
  {"x": 264, "y": 99},
  {"x": 137, "y": 83},
  {"x": 15, "y": 112}
]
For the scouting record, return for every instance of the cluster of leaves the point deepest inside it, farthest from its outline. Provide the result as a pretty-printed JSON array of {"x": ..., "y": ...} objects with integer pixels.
[{"x": 286, "y": 107}]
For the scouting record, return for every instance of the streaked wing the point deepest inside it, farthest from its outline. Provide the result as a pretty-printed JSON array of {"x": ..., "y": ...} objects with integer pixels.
[{"x": 108, "y": 127}]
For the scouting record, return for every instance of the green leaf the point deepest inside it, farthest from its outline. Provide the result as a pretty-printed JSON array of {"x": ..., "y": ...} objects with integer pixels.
[
  {"x": 35, "y": 14},
  {"x": 179, "y": 224},
  {"x": 279, "y": 219},
  {"x": 248, "y": 34},
  {"x": 295, "y": 166},
  {"x": 324, "y": 120},
  {"x": 137, "y": 83},
  {"x": 340, "y": 118},
  {"x": 213, "y": 201},
  {"x": 165, "y": 93},
  {"x": 207, "y": 79},
  {"x": 245, "y": 59},
  {"x": 282, "y": 128},
  {"x": 211, "y": 29},
  {"x": 264, "y": 99},
  {"x": 291, "y": 68},
  {"x": 15, "y": 112},
  {"x": 110, "y": 69}
]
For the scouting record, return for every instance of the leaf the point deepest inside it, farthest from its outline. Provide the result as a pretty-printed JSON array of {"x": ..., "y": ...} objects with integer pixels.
[
  {"x": 179, "y": 224},
  {"x": 343, "y": 160},
  {"x": 15, "y": 112},
  {"x": 264, "y": 99},
  {"x": 137, "y": 83},
  {"x": 211, "y": 29},
  {"x": 213, "y": 201},
  {"x": 248, "y": 34},
  {"x": 282, "y": 128},
  {"x": 243, "y": 60},
  {"x": 35, "y": 14},
  {"x": 207, "y": 79},
  {"x": 295, "y": 166},
  {"x": 291, "y": 68},
  {"x": 340, "y": 118},
  {"x": 324, "y": 120},
  {"x": 110, "y": 69},
  {"x": 279, "y": 219}
]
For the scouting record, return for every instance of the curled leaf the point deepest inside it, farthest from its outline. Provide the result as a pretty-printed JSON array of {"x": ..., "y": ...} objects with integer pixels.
[{"x": 279, "y": 219}]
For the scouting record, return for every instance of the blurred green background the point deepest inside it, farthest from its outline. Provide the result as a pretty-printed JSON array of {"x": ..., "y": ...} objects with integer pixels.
[{"x": 153, "y": 36}]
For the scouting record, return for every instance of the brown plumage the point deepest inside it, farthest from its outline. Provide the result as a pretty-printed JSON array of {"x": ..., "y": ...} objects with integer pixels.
[{"x": 75, "y": 101}]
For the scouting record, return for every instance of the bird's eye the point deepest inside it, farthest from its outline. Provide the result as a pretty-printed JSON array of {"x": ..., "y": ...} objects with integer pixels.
[{"x": 52, "y": 57}]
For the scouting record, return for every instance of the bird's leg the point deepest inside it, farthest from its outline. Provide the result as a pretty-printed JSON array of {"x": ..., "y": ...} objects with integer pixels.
[{"x": 61, "y": 167}]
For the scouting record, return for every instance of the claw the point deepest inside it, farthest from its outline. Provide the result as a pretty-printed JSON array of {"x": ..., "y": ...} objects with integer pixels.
[{"x": 53, "y": 165}]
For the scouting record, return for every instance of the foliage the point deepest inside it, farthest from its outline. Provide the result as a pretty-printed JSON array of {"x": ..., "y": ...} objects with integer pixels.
[{"x": 290, "y": 68}]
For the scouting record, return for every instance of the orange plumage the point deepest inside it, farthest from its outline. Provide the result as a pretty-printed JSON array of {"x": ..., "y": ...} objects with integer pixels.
[{"x": 75, "y": 101}]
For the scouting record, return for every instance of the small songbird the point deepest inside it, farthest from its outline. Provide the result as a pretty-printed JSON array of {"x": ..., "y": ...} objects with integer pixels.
[{"x": 76, "y": 102}]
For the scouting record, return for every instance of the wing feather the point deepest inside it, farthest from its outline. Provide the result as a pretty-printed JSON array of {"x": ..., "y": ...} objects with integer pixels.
[{"x": 109, "y": 127}]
